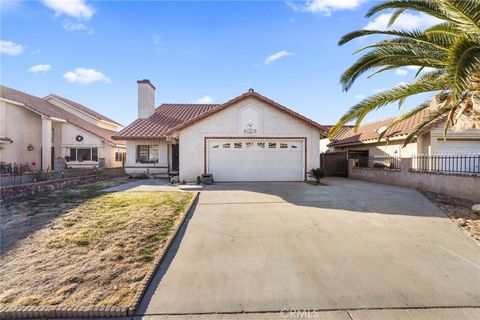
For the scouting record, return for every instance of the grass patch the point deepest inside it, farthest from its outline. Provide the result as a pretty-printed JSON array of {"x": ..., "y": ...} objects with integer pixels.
[{"x": 95, "y": 248}]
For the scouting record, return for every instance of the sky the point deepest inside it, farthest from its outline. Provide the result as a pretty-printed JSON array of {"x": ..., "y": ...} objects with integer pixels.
[{"x": 93, "y": 52}]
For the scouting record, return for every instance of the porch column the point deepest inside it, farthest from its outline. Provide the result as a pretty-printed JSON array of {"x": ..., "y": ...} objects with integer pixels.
[{"x": 46, "y": 144}]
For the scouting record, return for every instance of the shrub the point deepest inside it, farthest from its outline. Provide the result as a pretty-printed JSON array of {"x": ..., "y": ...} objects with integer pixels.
[
  {"x": 317, "y": 174},
  {"x": 199, "y": 180}
]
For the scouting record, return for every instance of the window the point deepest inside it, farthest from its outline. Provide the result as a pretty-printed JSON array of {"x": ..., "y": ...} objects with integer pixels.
[
  {"x": 226, "y": 146},
  {"x": 237, "y": 145},
  {"x": 83, "y": 154},
  {"x": 283, "y": 146},
  {"x": 293, "y": 146},
  {"x": 147, "y": 154},
  {"x": 261, "y": 145},
  {"x": 248, "y": 145},
  {"x": 215, "y": 146},
  {"x": 120, "y": 156},
  {"x": 272, "y": 145}
]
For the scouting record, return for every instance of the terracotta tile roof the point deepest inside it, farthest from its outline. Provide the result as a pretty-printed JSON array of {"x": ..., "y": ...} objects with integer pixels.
[
  {"x": 368, "y": 133},
  {"x": 82, "y": 108},
  {"x": 169, "y": 118},
  {"x": 49, "y": 110},
  {"x": 340, "y": 132},
  {"x": 166, "y": 117}
]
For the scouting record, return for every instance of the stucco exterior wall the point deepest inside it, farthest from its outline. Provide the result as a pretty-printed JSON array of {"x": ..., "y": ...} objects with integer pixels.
[
  {"x": 82, "y": 115},
  {"x": 230, "y": 123},
  {"x": 392, "y": 148},
  {"x": 134, "y": 168},
  {"x": 465, "y": 186},
  {"x": 24, "y": 127}
]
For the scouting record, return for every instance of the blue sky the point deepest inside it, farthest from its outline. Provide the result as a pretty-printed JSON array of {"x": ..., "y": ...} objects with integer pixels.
[{"x": 93, "y": 52}]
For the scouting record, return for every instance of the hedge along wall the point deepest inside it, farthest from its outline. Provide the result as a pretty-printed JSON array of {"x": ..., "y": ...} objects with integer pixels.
[{"x": 20, "y": 191}]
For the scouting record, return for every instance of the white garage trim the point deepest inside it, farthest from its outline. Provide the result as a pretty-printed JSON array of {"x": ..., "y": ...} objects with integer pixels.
[{"x": 302, "y": 139}]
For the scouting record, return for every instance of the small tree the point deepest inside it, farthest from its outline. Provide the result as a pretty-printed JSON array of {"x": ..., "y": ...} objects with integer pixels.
[{"x": 318, "y": 174}]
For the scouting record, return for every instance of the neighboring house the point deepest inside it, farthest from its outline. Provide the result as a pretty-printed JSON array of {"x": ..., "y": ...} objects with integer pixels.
[
  {"x": 325, "y": 142},
  {"x": 36, "y": 130},
  {"x": 249, "y": 138},
  {"x": 429, "y": 140}
]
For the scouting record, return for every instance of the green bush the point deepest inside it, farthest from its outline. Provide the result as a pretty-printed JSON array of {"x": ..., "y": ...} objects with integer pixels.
[
  {"x": 199, "y": 180},
  {"x": 318, "y": 174}
]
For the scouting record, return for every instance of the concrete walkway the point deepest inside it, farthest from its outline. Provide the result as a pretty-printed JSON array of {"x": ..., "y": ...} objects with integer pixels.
[{"x": 351, "y": 245}]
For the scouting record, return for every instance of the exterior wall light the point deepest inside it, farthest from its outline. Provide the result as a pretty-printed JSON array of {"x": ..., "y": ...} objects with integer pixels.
[{"x": 30, "y": 147}]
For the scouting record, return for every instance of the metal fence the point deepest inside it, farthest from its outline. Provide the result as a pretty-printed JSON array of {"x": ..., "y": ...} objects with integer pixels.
[
  {"x": 380, "y": 162},
  {"x": 459, "y": 163}
]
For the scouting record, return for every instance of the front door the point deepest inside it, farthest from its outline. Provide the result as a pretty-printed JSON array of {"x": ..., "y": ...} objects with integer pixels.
[{"x": 175, "y": 157}]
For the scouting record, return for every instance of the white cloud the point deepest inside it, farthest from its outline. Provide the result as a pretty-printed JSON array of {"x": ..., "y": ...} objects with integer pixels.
[
  {"x": 76, "y": 26},
  {"x": 404, "y": 21},
  {"x": 425, "y": 69},
  {"x": 86, "y": 76},
  {"x": 11, "y": 48},
  {"x": 40, "y": 68},
  {"x": 360, "y": 96},
  {"x": 325, "y": 7},
  {"x": 273, "y": 57},
  {"x": 204, "y": 100},
  {"x": 401, "y": 72},
  {"x": 72, "y": 8}
]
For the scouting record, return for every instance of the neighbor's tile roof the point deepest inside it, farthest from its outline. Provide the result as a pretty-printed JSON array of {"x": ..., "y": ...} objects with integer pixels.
[
  {"x": 344, "y": 129},
  {"x": 49, "y": 110},
  {"x": 81, "y": 107},
  {"x": 368, "y": 133},
  {"x": 169, "y": 118}
]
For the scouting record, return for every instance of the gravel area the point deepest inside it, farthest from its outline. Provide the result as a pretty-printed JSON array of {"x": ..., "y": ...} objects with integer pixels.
[{"x": 459, "y": 210}]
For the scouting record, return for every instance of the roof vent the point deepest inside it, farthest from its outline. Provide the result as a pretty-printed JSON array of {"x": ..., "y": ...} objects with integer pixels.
[
  {"x": 381, "y": 129},
  {"x": 251, "y": 90}
]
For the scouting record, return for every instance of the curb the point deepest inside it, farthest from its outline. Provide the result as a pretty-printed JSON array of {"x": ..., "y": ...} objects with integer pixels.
[{"x": 34, "y": 312}]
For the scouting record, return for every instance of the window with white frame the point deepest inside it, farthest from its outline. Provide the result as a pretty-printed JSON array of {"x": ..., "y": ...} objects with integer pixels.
[
  {"x": 83, "y": 154},
  {"x": 147, "y": 154}
]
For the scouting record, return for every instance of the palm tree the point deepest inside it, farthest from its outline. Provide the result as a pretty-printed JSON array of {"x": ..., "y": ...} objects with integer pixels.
[{"x": 447, "y": 56}]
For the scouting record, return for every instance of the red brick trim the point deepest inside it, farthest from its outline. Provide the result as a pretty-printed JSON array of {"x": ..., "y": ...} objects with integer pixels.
[
  {"x": 205, "y": 153},
  {"x": 242, "y": 97}
]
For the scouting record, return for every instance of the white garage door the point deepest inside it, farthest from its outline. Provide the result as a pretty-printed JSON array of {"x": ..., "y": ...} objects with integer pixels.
[
  {"x": 458, "y": 147},
  {"x": 255, "y": 160}
]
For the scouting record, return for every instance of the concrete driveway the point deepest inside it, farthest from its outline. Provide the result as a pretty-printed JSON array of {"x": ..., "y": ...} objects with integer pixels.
[{"x": 351, "y": 245}]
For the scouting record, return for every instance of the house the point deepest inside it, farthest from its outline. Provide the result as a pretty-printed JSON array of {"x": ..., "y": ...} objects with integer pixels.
[
  {"x": 249, "y": 138},
  {"x": 38, "y": 131},
  {"x": 325, "y": 142},
  {"x": 429, "y": 141}
]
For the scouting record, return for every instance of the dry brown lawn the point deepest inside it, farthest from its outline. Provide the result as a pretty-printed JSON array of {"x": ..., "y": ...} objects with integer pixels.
[{"x": 81, "y": 246}]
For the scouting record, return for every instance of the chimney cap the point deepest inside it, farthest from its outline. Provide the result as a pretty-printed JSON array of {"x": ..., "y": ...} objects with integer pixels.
[{"x": 147, "y": 82}]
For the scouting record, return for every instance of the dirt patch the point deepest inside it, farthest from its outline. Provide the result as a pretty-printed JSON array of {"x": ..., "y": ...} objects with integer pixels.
[
  {"x": 87, "y": 247},
  {"x": 459, "y": 210}
]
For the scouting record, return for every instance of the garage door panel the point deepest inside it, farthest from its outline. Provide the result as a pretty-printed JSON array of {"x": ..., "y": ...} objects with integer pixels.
[{"x": 267, "y": 160}]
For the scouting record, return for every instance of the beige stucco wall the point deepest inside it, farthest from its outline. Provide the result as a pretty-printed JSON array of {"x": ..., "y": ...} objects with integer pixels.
[
  {"x": 392, "y": 148},
  {"x": 465, "y": 186},
  {"x": 133, "y": 168},
  {"x": 81, "y": 114},
  {"x": 230, "y": 122},
  {"x": 24, "y": 127}
]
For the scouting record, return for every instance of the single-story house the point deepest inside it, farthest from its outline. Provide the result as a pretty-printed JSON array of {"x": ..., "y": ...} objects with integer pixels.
[
  {"x": 249, "y": 138},
  {"x": 428, "y": 141},
  {"x": 37, "y": 131}
]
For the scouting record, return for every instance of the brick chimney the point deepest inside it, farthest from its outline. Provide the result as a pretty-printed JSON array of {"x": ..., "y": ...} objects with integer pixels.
[{"x": 146, "y": 98}]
